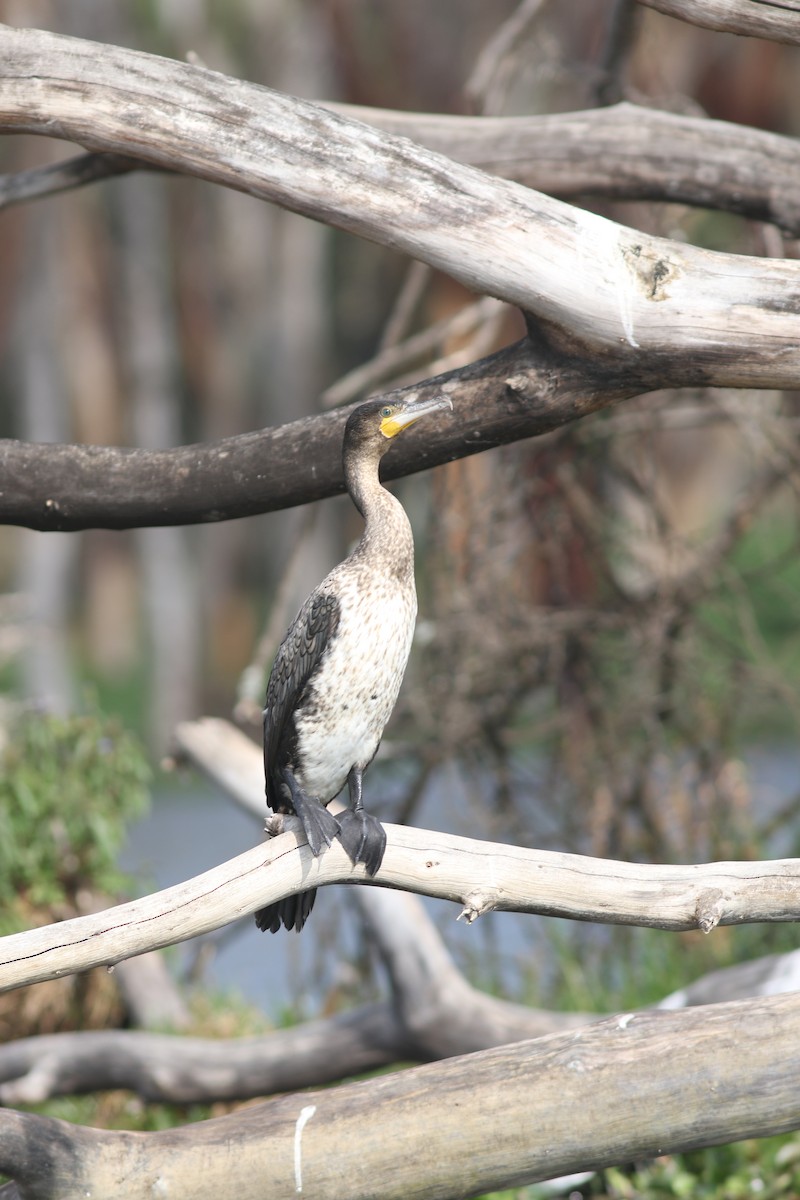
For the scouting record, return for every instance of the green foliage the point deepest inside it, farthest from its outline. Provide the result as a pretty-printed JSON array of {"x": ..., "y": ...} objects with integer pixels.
[
  {"x": 122, "y": 1110},
  {"x": 749, "y": 628},
  {"x": 68, "y": 789},
  {"x": 768, "y": 1168}
]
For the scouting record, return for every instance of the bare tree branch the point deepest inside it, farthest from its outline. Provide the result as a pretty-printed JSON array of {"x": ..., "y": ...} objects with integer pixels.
[
  {"x": 434, "y": 1013},
  {"x": 188, "y": 1070},
  {"x": 425, "y": 1020},
  {"x": 778, "y": 20},
  {"x": 502, "y": 1118},
  {"x": 515, "y": 393},
  {"x": 727, "y": 315},
  {"x": 480, "y": 876},
  {"x": 622, "y": 152},
  {"x": 616, "y": 312}
]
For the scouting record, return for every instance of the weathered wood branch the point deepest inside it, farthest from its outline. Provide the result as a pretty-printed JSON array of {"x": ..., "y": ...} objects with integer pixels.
[
  {"x": 614, "y": 312},
  {"x": 427, "y": 1019},
  {"x": 513, "y": 394},
  {"x": 624, "y": 152},
  {"x": 612, "y": 289},
  {"x": 434, "y": 1013},
  {"x": 189, "y": 1070},
  {"x": 778, "y": 20},
  {"x": 480, "y": 876},
  {"x": 501, "y": 1118}
]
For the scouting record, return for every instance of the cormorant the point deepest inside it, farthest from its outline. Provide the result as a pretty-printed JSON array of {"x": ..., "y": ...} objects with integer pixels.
[{"x": 337, "y": 672}]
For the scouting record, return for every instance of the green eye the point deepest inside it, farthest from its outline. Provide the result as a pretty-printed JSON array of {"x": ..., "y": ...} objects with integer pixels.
[{"x": 387, "y": 410}]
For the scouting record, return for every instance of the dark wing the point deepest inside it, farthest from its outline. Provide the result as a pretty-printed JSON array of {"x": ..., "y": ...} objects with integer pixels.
[{"x": 299, "y": 654}]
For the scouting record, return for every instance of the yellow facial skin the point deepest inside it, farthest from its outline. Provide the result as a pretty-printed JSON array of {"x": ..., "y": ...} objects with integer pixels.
[
  {"x": 395, "y": 418},
  {"x": 392, "y": 422}
]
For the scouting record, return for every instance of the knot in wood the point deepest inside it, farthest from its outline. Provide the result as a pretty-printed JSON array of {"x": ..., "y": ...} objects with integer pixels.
[
  {"x": 477, "y": 903},
  {"x": 709, "y": 909}
]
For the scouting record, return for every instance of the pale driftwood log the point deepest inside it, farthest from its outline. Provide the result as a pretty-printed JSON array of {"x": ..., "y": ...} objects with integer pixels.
[
  {"x": 608, "y": 287},
  {"x": 778, "y": 20},
  {"x": 480, "y": 876},
  {"x": 623, "y": 1089},
  {"x": 624, "y": 152},
  {"x": 433, "y": 1014}
]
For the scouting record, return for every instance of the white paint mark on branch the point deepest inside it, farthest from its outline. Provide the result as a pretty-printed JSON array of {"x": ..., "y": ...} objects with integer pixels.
[{"x": 305, "y": 1116}]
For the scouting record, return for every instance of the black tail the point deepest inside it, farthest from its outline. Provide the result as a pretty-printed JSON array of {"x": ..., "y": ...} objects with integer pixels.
[{"x": 291, "y": 912}]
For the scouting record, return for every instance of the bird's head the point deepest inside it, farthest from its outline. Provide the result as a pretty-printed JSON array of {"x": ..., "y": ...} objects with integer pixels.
[{"x": 378, "y": 421}]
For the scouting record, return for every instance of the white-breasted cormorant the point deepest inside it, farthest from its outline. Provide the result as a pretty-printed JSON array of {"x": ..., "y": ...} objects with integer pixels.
[{"x": 337, "y": 672}]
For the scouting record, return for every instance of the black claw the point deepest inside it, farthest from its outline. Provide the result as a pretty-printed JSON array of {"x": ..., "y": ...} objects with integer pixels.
[
  {"x": 363, "y": 838},
  {"x": 319, "y": 826}
]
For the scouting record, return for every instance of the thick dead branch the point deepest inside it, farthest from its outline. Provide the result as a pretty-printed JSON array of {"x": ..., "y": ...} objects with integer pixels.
[
  {"x": 778, "y": 20},
  {"x": 624, "y": 152},
  {"x": 515, "y": 393},
  {"x": 434, "y": 1014},
  {"x": 618, "y": 312},
  {"x": 422, "y": 1023},
  {"x": 480, "y": 876},
  {"x": 613, "y": 290},
  {"x": 501, "y": 1118},
  {"x": 187, "y": 1070},
  {"x": 633, "y": 311}
]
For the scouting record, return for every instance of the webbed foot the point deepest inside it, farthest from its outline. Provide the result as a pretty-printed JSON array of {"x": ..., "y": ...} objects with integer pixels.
[
  {"x": 363, "y": 838},
  {"x": 319, "y": 826}
]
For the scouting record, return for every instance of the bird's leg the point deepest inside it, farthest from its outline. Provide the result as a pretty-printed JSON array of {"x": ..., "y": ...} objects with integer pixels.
[
  {"x": 320, "y": 826},
  {"x": 361, "y": 834}
]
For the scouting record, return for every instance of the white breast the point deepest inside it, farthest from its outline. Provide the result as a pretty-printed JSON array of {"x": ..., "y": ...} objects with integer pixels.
[{"x": 355, "y": 689}]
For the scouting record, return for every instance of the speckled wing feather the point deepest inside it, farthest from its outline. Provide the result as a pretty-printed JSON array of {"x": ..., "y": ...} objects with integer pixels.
[{"x": 299, "y": 655}]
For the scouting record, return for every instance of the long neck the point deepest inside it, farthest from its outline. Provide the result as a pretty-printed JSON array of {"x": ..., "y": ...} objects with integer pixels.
[{"x": 386, "y": 542}]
